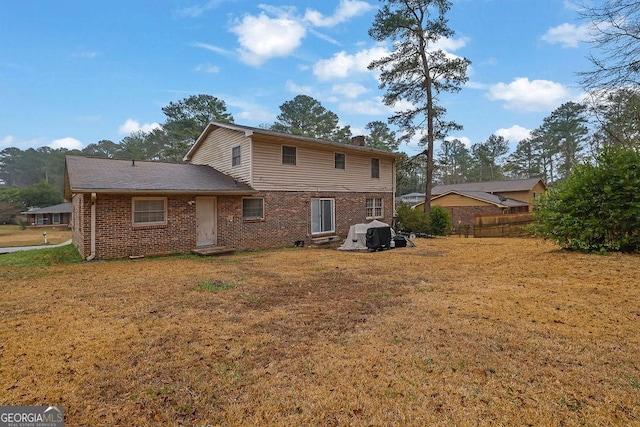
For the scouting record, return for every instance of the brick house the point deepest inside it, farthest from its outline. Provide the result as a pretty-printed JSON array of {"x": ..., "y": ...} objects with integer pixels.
[
  {"x": 241, "y": 187},
  {"x": 469, "y": 200}
]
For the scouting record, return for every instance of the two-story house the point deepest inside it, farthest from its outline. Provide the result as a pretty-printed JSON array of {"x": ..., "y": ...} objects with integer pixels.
[{"x": 241, "y": 187}]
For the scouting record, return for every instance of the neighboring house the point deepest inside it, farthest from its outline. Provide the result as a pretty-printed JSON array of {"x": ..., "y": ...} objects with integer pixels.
[
  {"x": 468, "y": 200},
  {"x": 51, "y": 216},
  {"x": 242, "y": 187}
]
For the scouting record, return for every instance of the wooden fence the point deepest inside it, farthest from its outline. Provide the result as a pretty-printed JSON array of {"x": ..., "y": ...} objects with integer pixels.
[{"x": 509, "y": 225}]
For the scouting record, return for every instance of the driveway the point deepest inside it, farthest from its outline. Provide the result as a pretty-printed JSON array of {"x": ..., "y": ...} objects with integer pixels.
[{"x": 30, "y": 248}]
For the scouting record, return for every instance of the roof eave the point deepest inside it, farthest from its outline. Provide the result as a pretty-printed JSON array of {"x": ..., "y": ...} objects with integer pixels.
[{"x": 238, "y": 192}]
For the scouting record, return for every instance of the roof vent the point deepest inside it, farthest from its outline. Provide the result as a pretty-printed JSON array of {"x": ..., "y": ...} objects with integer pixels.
[{"x": 502, "y": 198}]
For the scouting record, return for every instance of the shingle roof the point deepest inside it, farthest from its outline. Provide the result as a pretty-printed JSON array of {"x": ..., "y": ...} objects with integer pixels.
[
  {"x": 61, "y": 208},
  {"x": 487, "y": 197},
  {"x": 93, "y": 174},
  {"x": 488, "y": 186},
  {"x": 248, "y": 130}
]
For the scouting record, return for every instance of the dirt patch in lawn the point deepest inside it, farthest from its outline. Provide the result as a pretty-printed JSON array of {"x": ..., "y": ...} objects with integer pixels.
[{"x": 453, "y": 332}]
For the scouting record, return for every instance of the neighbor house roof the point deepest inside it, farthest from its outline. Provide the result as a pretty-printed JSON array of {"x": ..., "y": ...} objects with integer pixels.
[
  {"x": 494, "y": 199},
  {"x": 250, "y": 131},
  {"x": 61, "y": 208},
  {"x": 100, "y": 175},
  {"x": 489, "y": 186}
]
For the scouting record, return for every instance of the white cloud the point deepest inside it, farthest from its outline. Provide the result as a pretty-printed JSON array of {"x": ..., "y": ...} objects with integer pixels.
[
  {"x": 207, "y": 68},
  {"x": 449, "y": 45},
  {"x": 343, "y": 64},
  {"x": 132, "y": 125},
  {"x": 346, "y": 10},
  {"x": 211, "y": 48},
  {"x": 368, "y": 107},
  {"x": 68, "y": 143},
  {"x": 11, "y": 141},
  {"x": 568, "y": 35},
  {"x": 298, "y": 89},
  {"x": 524, "y": 95},
  {"x": 349, "y": 90},
  {"x": 262, "y": 38},
  {"x": 514, "y": 134},
  {"x": 7, "y": 141},
  {"x": 197, "y": 10}
]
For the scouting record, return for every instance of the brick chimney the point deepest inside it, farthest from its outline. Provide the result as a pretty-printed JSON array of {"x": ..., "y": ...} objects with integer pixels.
[{"x": 358, "y": 140}]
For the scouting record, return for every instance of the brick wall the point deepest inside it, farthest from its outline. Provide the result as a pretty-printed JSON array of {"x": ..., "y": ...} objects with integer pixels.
[{"x": 287, "y": 219}]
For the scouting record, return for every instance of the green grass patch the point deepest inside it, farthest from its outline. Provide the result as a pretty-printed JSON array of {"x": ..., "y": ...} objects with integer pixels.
[
  {"x": 215, "y": 286},
  {"x": 46, "y": 257}
]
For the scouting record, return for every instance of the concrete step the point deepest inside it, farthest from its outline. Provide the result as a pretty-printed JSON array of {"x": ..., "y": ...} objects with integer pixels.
[{"x": 213, "y": 250}]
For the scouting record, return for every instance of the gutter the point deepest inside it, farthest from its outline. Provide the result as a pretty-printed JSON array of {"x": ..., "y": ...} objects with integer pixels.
[{"x": 92, "y": 255}]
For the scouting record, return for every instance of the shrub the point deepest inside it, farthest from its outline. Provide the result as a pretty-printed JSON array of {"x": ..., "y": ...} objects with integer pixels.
[
  {"x": 439, "y": 221},
  {"x": 412, "y": 220},
  {"x": 597, "y": 208}
]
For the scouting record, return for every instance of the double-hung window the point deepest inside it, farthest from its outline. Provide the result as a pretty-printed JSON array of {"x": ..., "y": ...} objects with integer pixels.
[
  {"x": 149, "y": 210},
  {"x": 55, "y": 218},
  {"x": 235, "y": 156},
  {"x": 288, "y": 155},
  {"x": 374, "y": 208},
  {"x": 252, "y": 209},
  {"x": 375, "y": 168},
  {"x": 340, "y": 160},
  {"x": 322, "y": 216}
]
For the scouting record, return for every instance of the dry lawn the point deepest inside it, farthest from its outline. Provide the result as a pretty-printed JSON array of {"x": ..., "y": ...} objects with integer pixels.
[
  {"x": 455, "y": 332},
  {"x": 13, "y": 235}
]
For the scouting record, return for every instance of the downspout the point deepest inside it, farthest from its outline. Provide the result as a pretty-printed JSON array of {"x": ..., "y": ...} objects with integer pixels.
[{"x": 92, "y": 255}]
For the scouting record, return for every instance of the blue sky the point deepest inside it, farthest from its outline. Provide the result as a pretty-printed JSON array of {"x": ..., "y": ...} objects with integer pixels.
[{"x": 73, "y": 72}]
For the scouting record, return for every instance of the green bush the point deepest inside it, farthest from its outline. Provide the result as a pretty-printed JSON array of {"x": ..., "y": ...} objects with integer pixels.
[
  {"x": 412, "y": 220},
  {"x": 597, "y": 208},
  {"x": 439, "y": 221}
]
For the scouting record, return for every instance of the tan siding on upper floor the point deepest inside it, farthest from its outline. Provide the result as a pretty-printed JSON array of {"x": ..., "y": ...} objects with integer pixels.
[
  {"x": 315, "y": 170},
  {"x": 216, "y": 152}
]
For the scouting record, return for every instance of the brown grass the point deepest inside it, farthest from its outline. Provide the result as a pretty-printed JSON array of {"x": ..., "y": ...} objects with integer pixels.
[
  {"x": 13, "y": 235},
  {"x": 454, "y": 332}
]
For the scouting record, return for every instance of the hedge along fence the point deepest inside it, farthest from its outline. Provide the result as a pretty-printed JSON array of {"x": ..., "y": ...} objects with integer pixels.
[{"x": 507, "y": 225}]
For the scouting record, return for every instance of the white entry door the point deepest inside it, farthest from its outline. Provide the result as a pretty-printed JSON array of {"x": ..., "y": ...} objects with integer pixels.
[{"x": 206, "y": 221}]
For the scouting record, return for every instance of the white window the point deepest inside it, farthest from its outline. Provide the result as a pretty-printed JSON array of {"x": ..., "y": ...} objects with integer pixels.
[
  {"x": 375, "y": 168},
  {"x": 322, "y": 216},
  {"x": 149, "y": 210},
  {"x": 252, "y": 209},
  {"x": 39, "y": 219},
  {"x": 235, "y": 156},
  {"x": 56, "y": 218},
  {"x": 288, "y": 155},
  {"x": 374, "y": 208}
]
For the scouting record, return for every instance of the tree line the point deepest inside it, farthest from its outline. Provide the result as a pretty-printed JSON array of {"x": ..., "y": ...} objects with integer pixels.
[{"x": 569, "y": 135}]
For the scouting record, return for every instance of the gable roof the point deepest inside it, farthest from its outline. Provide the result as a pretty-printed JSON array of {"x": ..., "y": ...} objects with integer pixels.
[
  {"x": 279, "y": 136},
  {"x": 61, "y": 208},
  {"x": 489, "y": 186},
  {"x": 101, "y": 175},
  {"x": 493, "y": 199}
]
